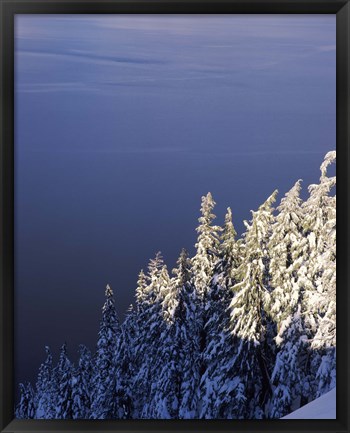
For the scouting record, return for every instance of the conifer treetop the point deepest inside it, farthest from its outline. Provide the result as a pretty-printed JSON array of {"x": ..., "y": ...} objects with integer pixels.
[
  {"x": 329, "y": 159},
  {"x": 229, "y": 233},
  {"x": 109, "y": 303},
  {"x": 109, "y": 291},
  {"x": 155, "y": 266}
]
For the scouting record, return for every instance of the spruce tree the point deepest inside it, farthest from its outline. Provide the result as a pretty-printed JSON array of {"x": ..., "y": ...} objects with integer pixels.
[
  {"x": 81, "y": 385},
  {"x": 148, "y": 328},
  {"x": 203, "y": 264},
  {"x": 318, "y": 277},
  {"x": 164, "y": 397},
  {"x": 230, "y": 250},
  {"x": 189, "y": 323},
  {"x": 288, "y": 376},
  {"x": 288, "y": 255},
  {"x": 324, "y": 341},
  {"x": 218, "y": 351},
  {"x": 160, "y": 403},
  {"x": 287, "y": 250},
  {"x": 251, "y": 327},
  {"x": 207, "y": 247},
  {"x": 105, "y": 381},
  {"x": 64, "y": 371},
  {"x": 46, "y": 388},
  {"x": 319, "y": 224},
  {"x": 26, "y": 407},
  {"x": 126, "y": 365},
  {"x": 141, "y": 292},
  {"x": 164, "y": 394}
]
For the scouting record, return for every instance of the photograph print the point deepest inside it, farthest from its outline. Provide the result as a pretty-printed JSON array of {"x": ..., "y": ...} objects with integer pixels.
[{"x": 175, "y": 216}]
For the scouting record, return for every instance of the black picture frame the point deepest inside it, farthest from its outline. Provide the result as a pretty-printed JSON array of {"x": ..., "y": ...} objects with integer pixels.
[{"x": 8, "y": 9}]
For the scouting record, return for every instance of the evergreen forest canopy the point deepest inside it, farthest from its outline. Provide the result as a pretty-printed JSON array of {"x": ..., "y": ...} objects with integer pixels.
[{"x": 245, "y": 329}]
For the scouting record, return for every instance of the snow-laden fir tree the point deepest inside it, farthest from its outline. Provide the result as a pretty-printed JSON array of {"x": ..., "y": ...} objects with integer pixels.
[
  {"x": 287, "y": 251},
  {"x": 161, "y": 404},
  {"x": 144, "y": 298},
  {"x": 189, "y": 325},
  {"x": 318, "y": 277},
  {"x": 326, "y": 275},
  {"x": 104, "y": 399},
  {"x": 165, "y": 394},
  {"x": 141, "y": 293},
  {"x": 207, "y": 247},
  {"x": 230, "y": 250},
  {"x": 46, "y": 389},
  {"x": 126, "y": 363},
  {"x": 122, "y": 404},
  {"x": 203, "y": 264},
  {"x": 251, "y": 328},
  {"x": 148, "y": 327},
  {"x": 64, "y": 373},
  {"x": 288, "y": 375},
  {"x": 324, "y": 341},
  {"x": 325, "y": 376},
  {"x": 165, "y": 390},
  {"x": 319, "y": 224},
  {"x": 26, "y": 407},
  {"x": 81, "y": 385},
  {"x": 218, "y": 348},
  {"x": 218, "y": 351},
  {"x": 326, "y": 332}
]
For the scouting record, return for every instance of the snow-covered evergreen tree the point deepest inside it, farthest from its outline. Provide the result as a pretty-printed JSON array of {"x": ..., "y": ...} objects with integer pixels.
[
  {"x": 64, "y": 372},
  {"x": 326, "y": 371},
  {"x": 126, "y": 366},
  {"x": 218, "y": 351},
  {"x": 104, "y": 398},
  {"x": 288, "y": 376},
  {"x": 46, "y": 389},
  {"x": 165, "y": 389},
  {"x": 81, "y": 385},
  {"x": 203, "y": 264},
  {"x": 230, "y": 251},
  {"x": 318, "y": 280},
  {"x": 162, "y": 352},
  {"x": 326, "y": 276},
  {"x": 26, "y": 408},
  {"x": 165, "y": 392},
  {"x": 140, "y": 388},
  {"x": 324, "y": 341},
  {"x": 251, "y": 328},
  {"x": 319, "y": 226},
  {"x": 189, "y": 322},
  {"x": 149, "y": 328},
  {"x": 288, "y": 253},
  {"x": 207, "y": 247},
  {"x": 141, "y": 292},
  {"x": 287, "y": 250}
]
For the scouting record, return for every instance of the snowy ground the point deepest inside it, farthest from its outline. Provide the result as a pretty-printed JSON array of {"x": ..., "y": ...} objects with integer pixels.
[{"x": 321, "y": 408}]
